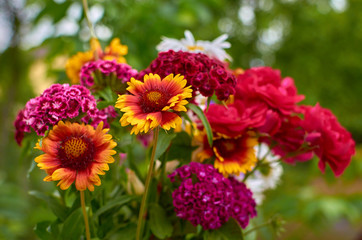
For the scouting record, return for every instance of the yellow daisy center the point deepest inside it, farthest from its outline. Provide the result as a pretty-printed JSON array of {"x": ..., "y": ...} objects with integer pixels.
[
  {"x": 154, "y": 96},
  {"x": 194, "y": 48}
]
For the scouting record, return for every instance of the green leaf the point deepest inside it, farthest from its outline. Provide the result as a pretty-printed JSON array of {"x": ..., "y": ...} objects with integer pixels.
[
  {"x": 159, "y": 224},
  {"x": 197, "y": 110},
  {"x": 229, "y": 231},
  {"x": 41, "y": 230},
  {"x": 54, "y": 204},
  {"x": 164, "y": 140},
  {"x": 181, "y": 147},
  {"x": 73, "y": 226},
  {"x": 112, "y": 204}
]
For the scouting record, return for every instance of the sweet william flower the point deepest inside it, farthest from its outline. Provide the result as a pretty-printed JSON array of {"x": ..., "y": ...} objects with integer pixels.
[
  {"x": 335, "y": 145},
  {"x": 60, "y": 102},
  {"x": 154, "y": 102},
  {"x": 115, "y": 51},
  {"x": 76, "y": 153},
  {"x": 207, "y": 198},
  {"x": 206, "y": 75}
]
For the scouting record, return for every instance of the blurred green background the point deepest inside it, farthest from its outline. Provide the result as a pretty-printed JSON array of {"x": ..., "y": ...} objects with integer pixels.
[{"x": 318, "y": 43}]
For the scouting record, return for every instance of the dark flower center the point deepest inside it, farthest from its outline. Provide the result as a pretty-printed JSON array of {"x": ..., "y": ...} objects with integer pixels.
[
  {"x": 76, "y": 153},
  {"x": 226, "y": 147},
  {"x": 154, "y": 101}
]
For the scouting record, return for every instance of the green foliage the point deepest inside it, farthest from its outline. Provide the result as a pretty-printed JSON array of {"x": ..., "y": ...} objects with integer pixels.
[{"x": 319, "y": 47}]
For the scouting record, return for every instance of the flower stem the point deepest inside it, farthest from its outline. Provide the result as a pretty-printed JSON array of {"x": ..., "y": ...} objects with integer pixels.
[
  {"x": 86, "y": 13},
  {"x": 87, "y": 232},
  {"x": 142, "y": 216},
  {"x": 257, "y": 227}
]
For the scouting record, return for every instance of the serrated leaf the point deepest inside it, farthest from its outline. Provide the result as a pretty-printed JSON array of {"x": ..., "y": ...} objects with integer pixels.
[
  {"x": 160, "y": 226},
  {"x": 54, "y": 204},
  {"x": 164, "y": 141},
  {"x": 112, "y": 204},
  {"x": 197, "y": 110},
  {"x": 73, "y": 226}
]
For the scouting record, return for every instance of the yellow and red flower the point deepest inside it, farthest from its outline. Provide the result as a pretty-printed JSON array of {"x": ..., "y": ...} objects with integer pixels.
[
  {"x": 77, "y": 153},
  {"x": 233, "y": 155},
  {"x": 115, "y": 51},
  {"x": 154, "y": 102}
]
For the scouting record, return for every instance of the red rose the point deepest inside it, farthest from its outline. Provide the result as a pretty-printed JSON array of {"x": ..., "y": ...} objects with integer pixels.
[
  {"x": 292, "y": 140},
  {"x": 234, "y": 119},
  {"x": 335, "y": 145},
  {"x": 266, "y": 84}
]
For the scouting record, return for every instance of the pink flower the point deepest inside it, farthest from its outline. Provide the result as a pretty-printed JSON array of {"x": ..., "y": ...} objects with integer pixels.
[
  {"x": 234, "y": 119},
  {"x": 266, "y": 84},
  {"x": 335, "y": 144}
]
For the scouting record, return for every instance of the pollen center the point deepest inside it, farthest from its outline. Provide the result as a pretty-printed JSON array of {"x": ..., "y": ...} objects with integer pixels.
[
  {"x": 194, "y": 48},
  {"x": 76, "y": 153},
  {"x": 154, "y": 96},
  {"x": 75, "y": 147},
  {"x": 154, "y": 101}
]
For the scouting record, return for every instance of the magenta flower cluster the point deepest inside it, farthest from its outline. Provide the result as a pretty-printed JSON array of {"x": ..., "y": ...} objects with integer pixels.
[
  {"x": 59, "y": 102},
  {"x": 207, "y": 198},
  {"x": 204, "y": 74},
  {"x": 121, "y": 71}
]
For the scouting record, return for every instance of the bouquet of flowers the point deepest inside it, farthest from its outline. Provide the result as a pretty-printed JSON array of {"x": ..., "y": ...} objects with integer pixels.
[{"x": 189, "y": 144}]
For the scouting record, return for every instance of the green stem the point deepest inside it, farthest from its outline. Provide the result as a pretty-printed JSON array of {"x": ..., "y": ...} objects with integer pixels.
[
  {"x": 257, "y": 227},
  {"x": 142, "y": 216},
  {"x": 82, "y": 202},
  {"x": 86, "y": 13}
]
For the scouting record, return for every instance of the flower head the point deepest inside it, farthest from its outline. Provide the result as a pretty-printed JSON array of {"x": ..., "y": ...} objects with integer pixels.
[
  {"x": 214, "y": 49},
  {"x": 77, "y": 153},
  {"x": 59, "y": 102},
  {"x": 233, "y": 155},
  {"x": 101, "y": 73},
  {"x": 204, "y": 74},
  {"x": 150, "y": 102},
  {"x": 334, "y": 144},
  {"x": 205, "y": 197},
  {"x": 115, "y": 51}
]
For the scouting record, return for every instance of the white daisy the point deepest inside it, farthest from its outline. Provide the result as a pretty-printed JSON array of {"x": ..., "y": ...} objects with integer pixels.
[
  {"x": 214, "y": 49},
  {"x": 267, "y": 176}
]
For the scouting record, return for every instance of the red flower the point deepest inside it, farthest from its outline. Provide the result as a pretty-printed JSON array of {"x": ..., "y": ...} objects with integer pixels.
[
  {"x": 266, "y": 84},
  {"x": 335, "y": 144},
  {"x": 292, "y": 140},
  {"x": 234, "y": 119}
]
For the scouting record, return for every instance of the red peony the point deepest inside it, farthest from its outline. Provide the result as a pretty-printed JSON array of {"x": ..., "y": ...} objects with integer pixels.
[
  {"x": 234, "y": 119},
  {"x": 266, "y": 84},
  {"x": 335, "y": 145}
]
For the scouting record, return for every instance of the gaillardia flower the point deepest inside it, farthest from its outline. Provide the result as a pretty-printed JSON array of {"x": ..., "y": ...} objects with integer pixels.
[
  {"x": 77, "y": 153},
  {"x": 233, "y": 155},
  {"x": 150, "y": 103}
]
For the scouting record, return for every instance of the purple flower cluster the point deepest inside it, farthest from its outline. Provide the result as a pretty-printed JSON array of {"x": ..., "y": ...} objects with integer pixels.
[
  {"x": 59, "y": 102},
  {"x": 105, "y": 68},
  {"x": 207, "y": 198},
  {"x": 204, "y": 74}
]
